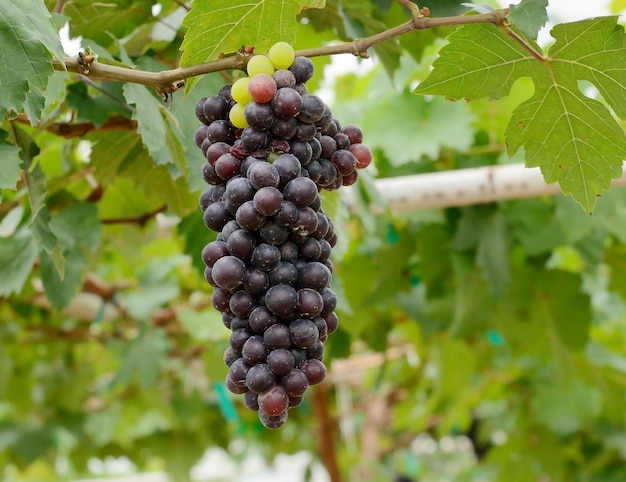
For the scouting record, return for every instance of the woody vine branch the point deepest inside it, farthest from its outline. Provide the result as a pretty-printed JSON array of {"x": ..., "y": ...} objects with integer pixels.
[{"x": 169, "y": 81}]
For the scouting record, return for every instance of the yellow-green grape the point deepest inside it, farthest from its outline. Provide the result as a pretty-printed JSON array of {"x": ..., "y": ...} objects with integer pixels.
[
  {"x": 260, "y": 64},
  {"x": 281, "y": 55},
  {"x": 239, "y": 91},
  {"x": 237, "y": 116}
]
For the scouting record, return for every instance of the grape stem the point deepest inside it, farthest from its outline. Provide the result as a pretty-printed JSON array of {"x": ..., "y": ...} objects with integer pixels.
[{"x": 169, "y": 81}]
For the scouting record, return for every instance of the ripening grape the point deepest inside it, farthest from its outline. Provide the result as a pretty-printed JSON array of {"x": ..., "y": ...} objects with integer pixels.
[{"x": 270, "y": 148}]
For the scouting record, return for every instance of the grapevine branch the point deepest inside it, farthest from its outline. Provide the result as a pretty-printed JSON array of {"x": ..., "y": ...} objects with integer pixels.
[{"x": 168, "y": 81}]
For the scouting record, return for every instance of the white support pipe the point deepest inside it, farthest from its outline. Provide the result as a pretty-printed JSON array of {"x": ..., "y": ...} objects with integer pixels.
[{"x": 466, "y": 186}]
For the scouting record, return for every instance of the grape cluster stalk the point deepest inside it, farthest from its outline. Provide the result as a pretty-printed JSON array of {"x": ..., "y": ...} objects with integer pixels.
[{"x": 270, "y": 148}]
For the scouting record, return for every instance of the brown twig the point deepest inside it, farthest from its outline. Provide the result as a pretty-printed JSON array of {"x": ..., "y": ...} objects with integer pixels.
[
  {"x": 79, "y": 129},
  {"x": 326, "y": 431},
  {"x": 141, "y": 220},
  {"x": 168, "y": 81},
  {"x": 182, "y": 4}
]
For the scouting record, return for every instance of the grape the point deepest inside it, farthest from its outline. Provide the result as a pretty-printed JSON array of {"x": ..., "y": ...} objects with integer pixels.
[
  {"x": 239, "y": 337},
  {"x": 281, "y": 299},
  {"x": 214, "y": 251},
  {"x": 363, "y": 155},
  {"x": 314, "y": 275},
  {"x": 254, "y": 139},
  {"x": 221, "y": 131},
  {"x": 286, "y": 103},
  {"x": 273, "y": 233},
  {"x": 303, "y": 69},
  {"x": 215, "y": 216},
  {"x": 344, "y": 161},
  {"x": 229, "y": 272},
  {"x": 200, "y": 135},
  {"x": 265, "y": 257},
  {"x": 282, "y": 55},
  {"x": 216, "y": 150},
  {"x": 270, "y": 148},
  {"x": 250, "y": 400},
  {"x": 257, "y": 282},
  {"x": 200, "y": 109},
  {"x": 234, "y": 388},
  {"x": 261, "y": 319},
  {"x": 262, "y": 88},
  {"x": 274, "y": 401},
  {"x": 260, "y": 378},
  {"x": 284, "y": 78},
  {"x": 210, "y": 175},
  {"x": 214, "y": 108},
  {"x": 312, "y": 109},
  {"x": 254, "y": 350},
  {"x": 281, "y": 361},
  {"x": 227, "y": 166},
  {"x": 237, "y": 372},
  {"x": 355, "y": 135},
  {"x": 237, "y": 116},
  {"x": 259, "y": 116},
  {"x": 285, "y": 273},
  {"x": 295, "y": 382},
  {"x": 268, "y": 200},
  {"x": 287, "y": 215},
  {"x": 263, "y": 174},
  {"x": 242, "y": 303},
  {"x": 314, "y": 370},
  {"x": 277, "y": 336},
  {"x": 259, "y": 64},
  {"x": 248, "y": 217},
  {"x": 301, "y": 191},
  {"x": 342, "y": 140},
  {"x": 303, "y": 333},
  {"x": 240, "y": 92},
  {"x": 310, "y": 303},
  {"x": 237, "y": 322},
  {"x": 272, "y": 422},
  {"x": 230, "y": 355}
]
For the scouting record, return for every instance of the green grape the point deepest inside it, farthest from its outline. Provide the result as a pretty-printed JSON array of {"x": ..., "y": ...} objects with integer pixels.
[
  {"x": 281, "y": 55},
  {"x": 239, "y": 91},
  {"x": 237, "y": 117},
  {"x": 260, "y": 64}
]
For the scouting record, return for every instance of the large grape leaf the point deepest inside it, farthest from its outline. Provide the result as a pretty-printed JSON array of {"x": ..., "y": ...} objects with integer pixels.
[
  {"x": 222, "y": 27},
  {"x": 29, "y": 40},
  {"x": 573, "y": 139}
]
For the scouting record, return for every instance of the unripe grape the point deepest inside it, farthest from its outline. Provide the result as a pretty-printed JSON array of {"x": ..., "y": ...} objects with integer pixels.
[
  {"x": 259, "y": 64},
  {"x": 240, "y": 92},
  {"x": 281, "y": 54},
  {"x": 237, "y": 117}
]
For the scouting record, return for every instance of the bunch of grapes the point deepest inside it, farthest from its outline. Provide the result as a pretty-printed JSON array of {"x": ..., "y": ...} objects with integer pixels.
[{"x": 270, "y": 148}]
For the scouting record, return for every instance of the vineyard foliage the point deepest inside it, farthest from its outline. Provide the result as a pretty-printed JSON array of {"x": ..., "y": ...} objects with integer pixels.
[{"x": 502, "y": 324}]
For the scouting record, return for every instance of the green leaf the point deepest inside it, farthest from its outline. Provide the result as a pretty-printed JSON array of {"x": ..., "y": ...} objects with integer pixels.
[
  {"x": 567, "y": 408},
  {"x": 221, "y": 27},
  {"x": 36, "y": 188},
  {"x": 10, "y": 172},
  {"x": 572, "y": 138},
  {"x": 61, "y": 289},
  {"x": 492, "y": 255},
  {"x": 478, "y": 62},
  {"x": 105, "y": 22},
  {"x": 423, "y": 132},
  {"x": 529, "y": 16},
  {"x": 143, "y": 358},
  {"x": 17, "y": 256},
  {"x": 157, "y": 127},
  {"x": 29, "y": 39}
]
